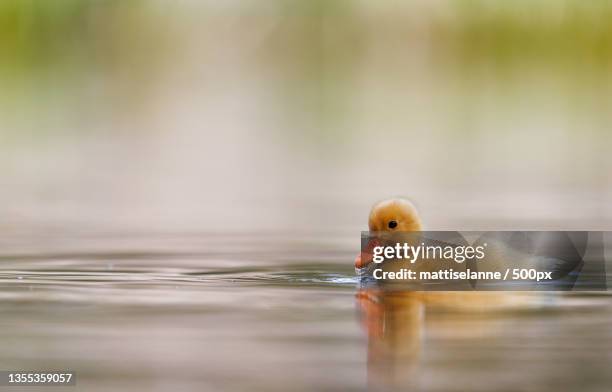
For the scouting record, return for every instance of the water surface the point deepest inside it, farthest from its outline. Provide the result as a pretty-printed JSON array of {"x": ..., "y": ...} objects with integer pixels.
[{"x": 251, "y": 312}]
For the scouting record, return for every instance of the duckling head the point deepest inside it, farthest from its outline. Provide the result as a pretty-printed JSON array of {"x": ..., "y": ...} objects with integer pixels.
[
  {"x": 388, "y": 217},
  {"x": 394, "y": 215}
]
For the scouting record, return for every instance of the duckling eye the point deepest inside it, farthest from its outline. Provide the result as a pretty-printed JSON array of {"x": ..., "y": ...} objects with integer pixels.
[{"x": 392, "y": 224}]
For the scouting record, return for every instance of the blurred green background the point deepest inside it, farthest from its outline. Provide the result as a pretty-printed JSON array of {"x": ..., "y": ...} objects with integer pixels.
[{"x": 298, "y": 115}]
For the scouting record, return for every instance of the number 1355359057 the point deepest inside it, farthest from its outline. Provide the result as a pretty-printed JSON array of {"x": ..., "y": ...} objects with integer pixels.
[{"x": 16, "y": 378}]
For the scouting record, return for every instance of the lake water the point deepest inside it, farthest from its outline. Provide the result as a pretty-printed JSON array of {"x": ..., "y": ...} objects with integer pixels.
[{"x": 158, "y": 312}]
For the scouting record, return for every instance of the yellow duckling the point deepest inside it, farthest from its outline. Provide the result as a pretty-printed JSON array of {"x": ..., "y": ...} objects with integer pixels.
[
  {"x": 550, "y": 255},
  {"x": 394, "y": 215}
]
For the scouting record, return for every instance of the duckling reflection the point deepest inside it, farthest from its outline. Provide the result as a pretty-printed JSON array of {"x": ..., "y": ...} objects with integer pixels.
[{"x": 393, "y": 322}]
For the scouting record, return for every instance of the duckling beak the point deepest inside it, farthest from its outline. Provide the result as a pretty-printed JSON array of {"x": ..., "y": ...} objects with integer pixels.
[
  {"x": 361, "y": 262},
  {"x": 365, "y": 257}
]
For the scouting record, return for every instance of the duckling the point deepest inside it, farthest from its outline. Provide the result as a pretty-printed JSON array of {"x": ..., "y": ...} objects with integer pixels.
[
  {"x": 397, "y": 220},
  {"x": 393, "y": 215}
]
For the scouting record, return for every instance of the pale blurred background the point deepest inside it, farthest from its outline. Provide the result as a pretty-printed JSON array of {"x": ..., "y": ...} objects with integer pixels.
[{"x": 298, "y": 115}]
